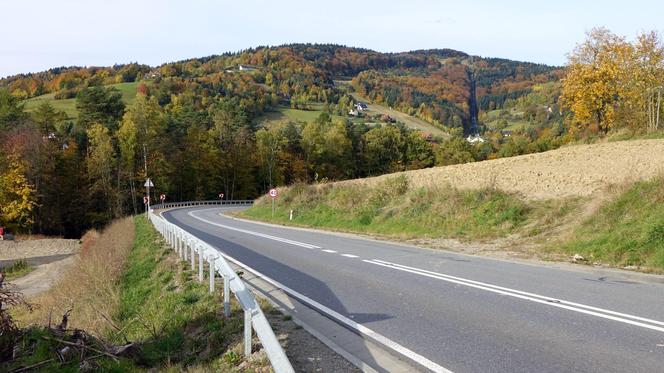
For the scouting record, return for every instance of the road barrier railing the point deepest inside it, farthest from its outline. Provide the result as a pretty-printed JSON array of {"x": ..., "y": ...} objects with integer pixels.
[
  {"x": 169, "y": 205},
  {"x": 188, "y": 247}
]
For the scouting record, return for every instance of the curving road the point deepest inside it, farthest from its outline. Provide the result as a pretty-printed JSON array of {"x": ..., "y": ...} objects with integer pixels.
[{"x": 455, "y": 312}]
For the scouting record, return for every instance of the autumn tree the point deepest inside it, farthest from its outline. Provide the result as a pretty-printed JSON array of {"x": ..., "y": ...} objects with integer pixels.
[
  {"x": 101, "y": 163},
  {"x": 384, "y": 149},
  {"x": 269, "y": 145},
  {"x": 11, "y": 110},
  {"x": 99, "y": 104},
  {"x": 17, "y": 199},
  {"x": 611, "y": 81}
]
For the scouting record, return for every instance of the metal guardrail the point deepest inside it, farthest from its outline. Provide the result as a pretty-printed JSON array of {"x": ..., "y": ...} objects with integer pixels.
[
  {"x": 169, "y": 205},
  {"x": 187, "y": 246}
]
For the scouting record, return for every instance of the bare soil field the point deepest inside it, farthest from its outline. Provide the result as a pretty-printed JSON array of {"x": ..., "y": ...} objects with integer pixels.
[{"x": 573, "y": 171}]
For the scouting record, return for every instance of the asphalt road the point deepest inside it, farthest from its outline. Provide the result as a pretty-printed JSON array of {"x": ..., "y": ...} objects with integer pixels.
[{"x": 452, "y": 311}]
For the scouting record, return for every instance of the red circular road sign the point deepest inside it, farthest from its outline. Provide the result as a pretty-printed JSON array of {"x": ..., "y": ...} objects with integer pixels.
[
  {"x": 273, "y": 193},
  {"x": 162, "y": 197},
  {"x": 221, "y": 195}
]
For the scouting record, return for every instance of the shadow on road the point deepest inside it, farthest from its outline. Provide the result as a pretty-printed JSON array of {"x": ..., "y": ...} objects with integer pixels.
[{"x": 295, "y": 279}]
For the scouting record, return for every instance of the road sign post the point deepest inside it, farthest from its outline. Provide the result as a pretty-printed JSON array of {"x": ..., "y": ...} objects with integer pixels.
[
  {"x": 148, "y": 184},
  {"x": 273, "y": 193}
]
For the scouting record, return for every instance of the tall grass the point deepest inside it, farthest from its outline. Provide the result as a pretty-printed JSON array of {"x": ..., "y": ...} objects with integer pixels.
[
  {"x": 127, "y": 286},
  {"x": 89, "y": 288},
  {"x": 393, "y": 208}
]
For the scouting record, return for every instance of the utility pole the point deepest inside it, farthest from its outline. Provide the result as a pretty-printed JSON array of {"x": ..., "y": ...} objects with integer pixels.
[{"x": 147, "y": 182}]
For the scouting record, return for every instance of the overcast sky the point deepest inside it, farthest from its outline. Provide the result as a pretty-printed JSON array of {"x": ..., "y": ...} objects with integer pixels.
[{"x": 40, "y": 34}]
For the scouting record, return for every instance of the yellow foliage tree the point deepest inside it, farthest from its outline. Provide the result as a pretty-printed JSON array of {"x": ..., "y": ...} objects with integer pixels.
[
  {"x": 592, "y": 87},
  {"x": 17, "y": 196},
  {"x": 610, "y": 80}
]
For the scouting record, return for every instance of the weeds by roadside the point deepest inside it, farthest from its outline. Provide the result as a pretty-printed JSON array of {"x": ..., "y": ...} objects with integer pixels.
[
  {"x": 627, "y": 231},
  {"x": 130, "y": 304},
  {"x": 17, "y": 269},
  {"x": 394, "y": 209}
]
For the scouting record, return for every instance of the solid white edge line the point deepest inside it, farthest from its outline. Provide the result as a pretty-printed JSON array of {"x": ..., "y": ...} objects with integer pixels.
[
  {"x": 548, "y": 299},
  {"x": 331, "y": 313},
  {"x": 348, "y": 322},
  {"x": 269, "y": 237},
  {"x": 536, "y": 300}
]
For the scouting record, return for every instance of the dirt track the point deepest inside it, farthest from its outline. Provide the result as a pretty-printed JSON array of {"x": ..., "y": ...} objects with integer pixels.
[
  {"x": 50, "y": 257},
  {"x": 579, "y": 170}
]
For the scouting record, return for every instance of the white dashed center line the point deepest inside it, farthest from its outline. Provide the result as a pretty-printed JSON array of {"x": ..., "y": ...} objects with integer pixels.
[
  {"x": 349, "y": 255},
  {"x": 329, "y": 251}
]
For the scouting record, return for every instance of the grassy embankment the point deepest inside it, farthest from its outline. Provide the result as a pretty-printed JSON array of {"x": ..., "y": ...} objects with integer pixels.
[
  {"x": 130, "y": 287},
  {"x": 68, "y": 105},
  {"x": 395, "y": 209},
  {"x": 627, "y": 230}
]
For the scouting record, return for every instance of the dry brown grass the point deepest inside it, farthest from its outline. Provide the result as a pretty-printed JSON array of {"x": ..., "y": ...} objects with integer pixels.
[{"x": 89, "y": 288}]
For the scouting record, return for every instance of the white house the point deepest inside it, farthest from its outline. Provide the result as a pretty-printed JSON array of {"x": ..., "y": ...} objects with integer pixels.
[
  {"x": 246, "y": 68},
  {"x": 361, "y": 106},
  {"x": 474, "y": 139}
]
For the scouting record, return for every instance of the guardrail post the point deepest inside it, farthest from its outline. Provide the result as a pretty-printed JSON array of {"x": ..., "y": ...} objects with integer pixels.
[
  {"x": 200, "y": 264},
  {"x": 193, "y": 257},
  {"x": 212, "y": 272},
  {"x": 227, "y": 297},
  {"x": 178, "y": 241},
  {"x": 185, "y": 249},
  {"x": 247, "y": 333}
]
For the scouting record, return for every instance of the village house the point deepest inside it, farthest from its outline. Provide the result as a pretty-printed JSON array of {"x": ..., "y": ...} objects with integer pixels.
[
  {"x": 247, "y": 68},
  {"x": 361, "y": 106},
  {"x": 474, "y": 139}
]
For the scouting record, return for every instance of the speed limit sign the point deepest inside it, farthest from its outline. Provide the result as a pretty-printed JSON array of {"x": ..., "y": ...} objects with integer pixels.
[{"x": 273, "y": 193}]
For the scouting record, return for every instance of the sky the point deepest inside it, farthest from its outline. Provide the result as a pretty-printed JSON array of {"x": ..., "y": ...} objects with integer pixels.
[{"x": 39, "y": 34}]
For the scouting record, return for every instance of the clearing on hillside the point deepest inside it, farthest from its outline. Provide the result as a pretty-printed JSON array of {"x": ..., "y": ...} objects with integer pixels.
[
  {"x": 68, "y": 105},
  {"x": 409, "y": 120}
]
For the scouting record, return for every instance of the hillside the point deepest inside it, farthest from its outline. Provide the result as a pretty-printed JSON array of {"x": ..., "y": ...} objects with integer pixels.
[
  {"x": 571, "y": 171},
  {"x": 597, "y": 203},
  {"x": 441, "y": 87}
]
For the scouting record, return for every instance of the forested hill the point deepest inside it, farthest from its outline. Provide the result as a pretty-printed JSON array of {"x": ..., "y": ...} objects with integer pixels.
[
  {"x": 73, "y": 140},
  {"x": 434, "y": 85}
]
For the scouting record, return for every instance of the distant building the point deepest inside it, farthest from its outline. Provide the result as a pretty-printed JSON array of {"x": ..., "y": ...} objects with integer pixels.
[
  {"x": 474, "y": 139},
  {"x": 246, "y": 68},
  {"x": 506, "y": 133},
  {"x": 153, "y": 74},
  {"x": 361, "y": 106},
  {"x": 353, "y": 113}
]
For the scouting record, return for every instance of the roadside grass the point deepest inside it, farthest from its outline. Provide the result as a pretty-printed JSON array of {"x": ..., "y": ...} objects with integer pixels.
[
  {"x": 17, "y": 269},
  {"x": 178, "y": 323},
  {"x": 127, "y": 286},
  {"x": 625, "y": 231},
  {"x": 392, "y": 208},
  {"x": 89, "y": 288}
]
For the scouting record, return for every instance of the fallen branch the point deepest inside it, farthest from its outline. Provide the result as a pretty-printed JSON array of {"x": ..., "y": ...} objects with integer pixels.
[
  {"x": 32, "y": 366},
  {"x": 84, "y": 346}
]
